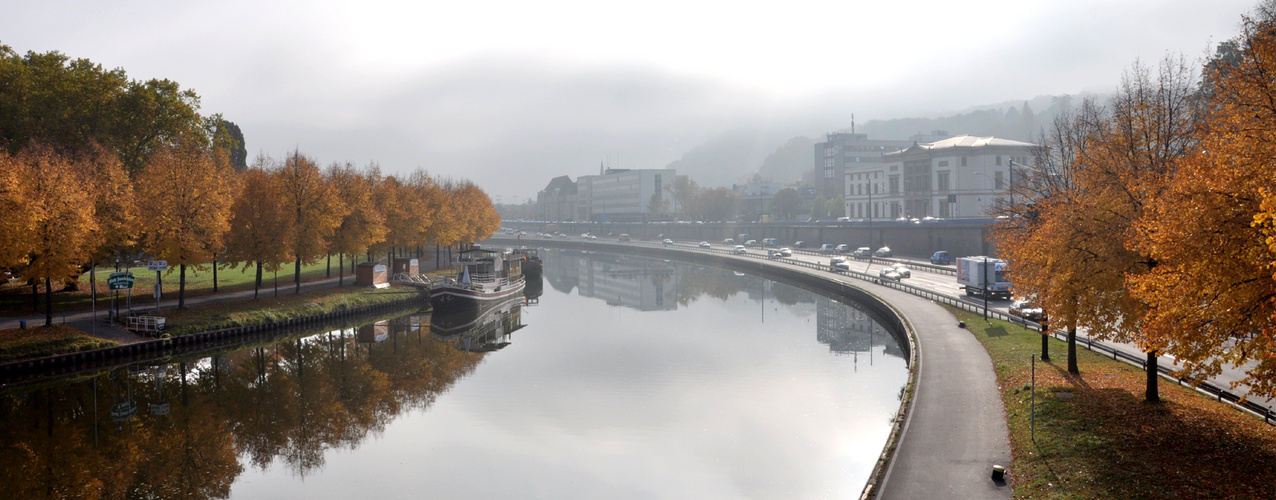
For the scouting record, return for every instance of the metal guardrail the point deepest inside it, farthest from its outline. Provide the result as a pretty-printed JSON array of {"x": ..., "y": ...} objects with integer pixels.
[{"x": 1205, "y": 386}]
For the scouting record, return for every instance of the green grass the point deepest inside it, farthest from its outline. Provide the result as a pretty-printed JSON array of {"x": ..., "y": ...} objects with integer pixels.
[
  {"x": 266, "y": 309},
  {"x": 1095, "y": 437},
  {"x": 19, "y": 343},
  {"x": 15, "y": 298}
]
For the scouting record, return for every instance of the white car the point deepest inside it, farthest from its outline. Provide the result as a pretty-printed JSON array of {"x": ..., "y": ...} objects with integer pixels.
[
  {"x": 668, "y": 242},
  {"x": 903, "y": 270},
  {"x": 704, "y": 244},
  {"x": 785, "y": 252},
  {"x": 888, "y": 273},
  {"x": 740, "y": 249},
  {"x": 839, "y": 264}
]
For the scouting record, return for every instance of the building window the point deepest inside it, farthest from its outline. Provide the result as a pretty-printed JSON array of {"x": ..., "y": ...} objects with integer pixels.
[
  {"x": 996, "y": 179},
  {"x": 963, "y": 161},
  {"x": 998, "y": 160},
  {"x": 943, "y": 181},
  {"x": 828, "y": 173},
  {"x": 943, "y": 163},
  {"x": 894, "y": 184}
]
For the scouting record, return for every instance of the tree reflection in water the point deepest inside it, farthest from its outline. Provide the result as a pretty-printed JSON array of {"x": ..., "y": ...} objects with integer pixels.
[{"x": 292, "y": 401}]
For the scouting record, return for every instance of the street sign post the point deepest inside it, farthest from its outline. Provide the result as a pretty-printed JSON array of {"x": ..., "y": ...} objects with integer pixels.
[
  {"x": 158, "y": 266},
  {"x": 120, "y": 281}
]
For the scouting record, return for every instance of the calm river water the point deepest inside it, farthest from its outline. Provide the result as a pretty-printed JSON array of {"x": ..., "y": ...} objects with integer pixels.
[{"x": 624, "y": 378}]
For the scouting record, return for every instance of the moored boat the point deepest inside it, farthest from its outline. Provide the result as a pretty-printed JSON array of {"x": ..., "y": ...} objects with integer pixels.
[
  {"x": 532, "y": 265},
  {"x": 486, "y": 277}
]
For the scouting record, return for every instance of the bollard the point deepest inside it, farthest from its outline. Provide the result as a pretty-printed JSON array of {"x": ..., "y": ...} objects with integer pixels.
[
  {"x": 998, "y": 473},
  {"x": 22, "y": 324}
]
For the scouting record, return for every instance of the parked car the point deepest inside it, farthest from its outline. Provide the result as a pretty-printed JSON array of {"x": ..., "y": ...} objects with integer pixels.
[
  {"x": 843, "y": 248},
  {"x": 839, "y": 264},
  {"x": 799, "y": 244},
  {"x": 1024, "y": 309},
  {"x": 903, "y": 270},
  {"x": 740, "y": 249},
  {"x": 667, "y": 242},
  {"x": 862, "y": 253},
  {"x": 941, "y": 258},
  {"x": 826, "y": 248},
  {"x": 704, "y": 244},
  {"x": 883, "y": 252},
  {"x": 889, "y": 273},
  {"x": 785, "y": 252}
]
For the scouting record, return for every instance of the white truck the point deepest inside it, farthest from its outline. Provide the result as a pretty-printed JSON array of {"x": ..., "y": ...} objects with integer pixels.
[{"x": 984, "y": 275}]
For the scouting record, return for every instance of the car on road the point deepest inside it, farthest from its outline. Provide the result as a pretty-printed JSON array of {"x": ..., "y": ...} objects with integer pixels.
[
  {"x": 751, "y": 243},
  {"x": 624, "y": 238},
  {"x": 704, "y": 244},
  {"x": 667, "y": 242},
  {"x": 827, "y": 248},
  {"x": 903, "y": 270},
  {"x": 889, "y": 273},
  {"x": 728, "y": 241},
  {"x": 941, "y": 257},
  {"x": 839, "y": 264},
  {"x": 799, "y": 244},
  {"x": 786, "y": 252},
  {"x": 883, "y": 252},
  {"x": 862, "y": 253},
  {"x": 1026, "y": 310},
  {"x": 773, "y": 253},
  {"x": 740, "y": 249},
  {"x": 843, "y": 248}
]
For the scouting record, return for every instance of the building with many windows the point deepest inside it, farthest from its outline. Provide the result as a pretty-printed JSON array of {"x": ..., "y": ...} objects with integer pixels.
[
  {"x": 845, "y": 151},
  {"x": 959, "y": 177},
  {"x": 557, "y": 201},
  {"x": 624, "y": 195}
]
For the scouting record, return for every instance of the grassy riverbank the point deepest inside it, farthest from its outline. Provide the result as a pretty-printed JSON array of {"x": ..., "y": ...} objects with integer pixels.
[
  {"x": 19, "y": 343},
  {"x": 267, "y": 309},
  {"x": 1096, "y": 438}
]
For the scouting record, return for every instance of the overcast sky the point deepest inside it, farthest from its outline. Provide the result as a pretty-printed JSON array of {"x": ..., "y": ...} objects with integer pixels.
[{"x": 512, "y": 93}]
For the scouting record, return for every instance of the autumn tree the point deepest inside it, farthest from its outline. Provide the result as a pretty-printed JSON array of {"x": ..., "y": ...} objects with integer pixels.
[
  {"x": 56, "y": 234},
  {"x": 184, "y": 195},
  {"x": 313, "y": 209},
  {"x": 1041, "y": 233},
  {"x": 684, "y": 192},
  {"x": 259, "y": 226},
  {"x": 363, "y": 224},
  {"x": 1212, "y": 294}
]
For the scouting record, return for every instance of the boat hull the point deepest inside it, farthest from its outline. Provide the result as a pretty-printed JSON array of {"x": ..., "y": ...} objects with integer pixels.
[{"x": 459, "y": 298}]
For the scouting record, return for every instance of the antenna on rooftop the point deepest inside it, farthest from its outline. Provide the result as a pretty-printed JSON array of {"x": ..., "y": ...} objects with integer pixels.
[{"x": 852, "y": 123}]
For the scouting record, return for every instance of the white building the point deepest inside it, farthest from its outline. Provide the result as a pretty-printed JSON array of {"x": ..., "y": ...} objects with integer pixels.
[
  {"x": 624, "y": 195},
  {"x": 959, "y": 177}
]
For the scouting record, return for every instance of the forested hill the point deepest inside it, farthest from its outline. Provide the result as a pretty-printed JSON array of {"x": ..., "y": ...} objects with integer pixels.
[{"x": 1018, "y": 120}]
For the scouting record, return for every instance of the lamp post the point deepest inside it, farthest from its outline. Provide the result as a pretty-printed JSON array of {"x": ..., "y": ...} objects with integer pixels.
[{"x": 984, "y": 271}]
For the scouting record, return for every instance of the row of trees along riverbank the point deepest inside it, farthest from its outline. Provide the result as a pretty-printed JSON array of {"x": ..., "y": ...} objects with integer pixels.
[
  {"x": 1152, "y": 219},
  {"x": 95, "y": 167}
]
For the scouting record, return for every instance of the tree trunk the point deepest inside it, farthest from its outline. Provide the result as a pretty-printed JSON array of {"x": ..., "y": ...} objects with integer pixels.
[
  {"x": 214, "y": 273},
  {"x": 35, "y": 295},
  {"x": 48, "y": 302},
  {"x": 341, "y": 269},
  {"x": 1045, "y": 346},
  {"x": 329, "y": 275},
  {"x": 296, "y": 277},
  {"x": 1152, "y": 394},
  {"x": 1072, "y": 351},
  {"x": 181, "y": 286},
  {"x": 257, "y": 285}
]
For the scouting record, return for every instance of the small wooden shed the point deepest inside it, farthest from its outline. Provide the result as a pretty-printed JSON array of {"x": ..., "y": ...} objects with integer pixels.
[
  {"x": 408, "y": 266},
  {"x": 371, "y": 274}
]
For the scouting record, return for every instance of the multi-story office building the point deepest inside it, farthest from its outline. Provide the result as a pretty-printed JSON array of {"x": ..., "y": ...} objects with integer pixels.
[
  {"x": 843, "y": 151},
  {"x": 624, "y": 195},
  {"x": 959, "y": 177}
]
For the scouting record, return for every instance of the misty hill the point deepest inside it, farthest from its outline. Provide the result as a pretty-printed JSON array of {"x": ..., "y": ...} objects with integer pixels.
[
  {"x": 729, "y": 158},
  {"x": 1017, "y": 120}
]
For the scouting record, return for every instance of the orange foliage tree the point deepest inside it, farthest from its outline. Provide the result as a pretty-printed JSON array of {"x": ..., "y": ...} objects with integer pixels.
[
  {"x": 312, "y": 207},
  {"x": 1212, "y": 294},
  {"x": 184, "y": 198},
  {"x": 259, "y": 227},
  {"x": 363, "y": 224},
  {"x": 56, "y": 233}
]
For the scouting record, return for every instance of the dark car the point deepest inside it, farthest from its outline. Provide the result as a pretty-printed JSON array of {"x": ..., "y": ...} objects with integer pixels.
[{"x": 941, "y": 258}]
